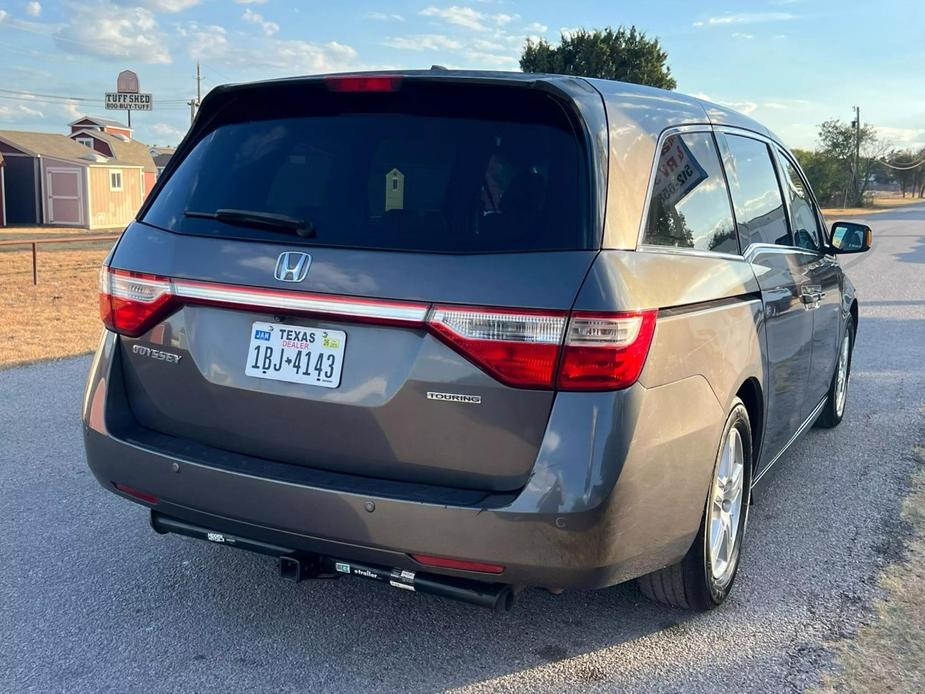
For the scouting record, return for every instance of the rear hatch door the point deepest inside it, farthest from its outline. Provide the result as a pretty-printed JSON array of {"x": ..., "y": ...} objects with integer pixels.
[{"x": 346, "y": 273}]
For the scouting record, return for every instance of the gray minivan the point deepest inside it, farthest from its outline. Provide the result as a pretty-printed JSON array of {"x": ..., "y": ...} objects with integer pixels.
[{"x": 463, "y": 333}]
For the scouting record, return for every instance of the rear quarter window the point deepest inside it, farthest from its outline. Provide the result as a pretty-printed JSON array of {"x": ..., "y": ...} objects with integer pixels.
[
  {"x": 434, "y": 168},
  {"x": 690, "y": 203}
]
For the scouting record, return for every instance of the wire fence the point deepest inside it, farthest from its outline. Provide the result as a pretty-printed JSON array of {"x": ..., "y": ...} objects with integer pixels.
[{"x": 52, "y": 245}]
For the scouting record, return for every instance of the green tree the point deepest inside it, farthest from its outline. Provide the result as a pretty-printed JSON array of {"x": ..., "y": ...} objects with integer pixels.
[
  {"x": 903, "y": 170},
  {"x": 826, "y": 176},
  {"x": 837, "y": 141},
  {"x": 621, "y": 54}
]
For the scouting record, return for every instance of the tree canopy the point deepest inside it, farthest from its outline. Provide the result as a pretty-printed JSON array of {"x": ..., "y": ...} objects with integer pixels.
[{"x": 627, "y": 55}]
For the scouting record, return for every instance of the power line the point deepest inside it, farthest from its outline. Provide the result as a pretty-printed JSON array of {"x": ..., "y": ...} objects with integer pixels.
[
  {"x": 904, "y": 167},
  {"x": 28, "y": 96}
]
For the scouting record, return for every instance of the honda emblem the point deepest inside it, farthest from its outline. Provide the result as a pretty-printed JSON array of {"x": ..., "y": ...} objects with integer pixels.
[{"x": 292, "y": 266}]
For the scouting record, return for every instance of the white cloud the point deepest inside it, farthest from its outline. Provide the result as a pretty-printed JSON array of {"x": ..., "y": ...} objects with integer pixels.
[
  {"x": 483, "y": 45},
  {"x": 422, "y": 42},
  {"x": 745, "y": 107},
  {"x": 34, "y": 9},
  {"x": 3, "y": 15},
  {"x": 279, "y": 55},
  {"x": 159, "y": 5},
  {"x": 903, "y": 137},
  {"x": 746, "y": 18},
  {"x": 384, "y": 17},
  {"x": 269, "y": 28},
  {"x": 536, "y": 28},
  {"x": 492, "y": 60},
  {"x": 250, "y": 2},
  {"x": 208, "y": 43},
  {"x": 19, "y": 112},
  {"x": 740, "y": 35},
  {"x": 468, "y": 18},
  {"x": 460, "y": 16},
  {"x": 168, "y": 132},
  {"x": 116, "y": 33}
]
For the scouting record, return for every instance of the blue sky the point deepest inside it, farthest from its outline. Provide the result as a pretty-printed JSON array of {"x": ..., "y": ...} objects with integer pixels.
[{"x": 789, "y": 63}]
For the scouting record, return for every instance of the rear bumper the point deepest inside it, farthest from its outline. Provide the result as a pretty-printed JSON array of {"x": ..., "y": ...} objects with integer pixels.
[{"x": 596, "y": 511}]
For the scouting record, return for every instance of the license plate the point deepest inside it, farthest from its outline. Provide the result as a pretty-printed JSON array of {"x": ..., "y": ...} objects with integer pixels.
[{"x": 296, "y": 354}]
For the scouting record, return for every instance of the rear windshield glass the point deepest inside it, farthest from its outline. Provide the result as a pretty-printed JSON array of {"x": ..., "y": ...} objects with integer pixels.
[{"x": 434, "y": 168}]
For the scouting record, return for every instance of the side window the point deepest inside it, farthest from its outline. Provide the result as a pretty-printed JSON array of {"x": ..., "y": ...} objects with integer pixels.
[
  {"x": 755, "y": 191},
  {"x": 803, "y": 218},
  {"x": 690, "y": 203}
]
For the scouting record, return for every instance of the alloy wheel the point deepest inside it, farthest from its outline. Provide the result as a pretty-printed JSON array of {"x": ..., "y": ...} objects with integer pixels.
[{"x": 726, "y": 507}]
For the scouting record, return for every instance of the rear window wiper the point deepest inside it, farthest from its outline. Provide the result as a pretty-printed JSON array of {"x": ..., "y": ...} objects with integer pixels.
[{"x": 268, "y": 220}]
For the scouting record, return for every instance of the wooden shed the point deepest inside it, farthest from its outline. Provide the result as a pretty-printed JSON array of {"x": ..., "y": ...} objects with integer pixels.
[
  {"x": 52, "y": 180},
  {"x": 120, "y": 147},
  {"x": 2, "y": 203}
]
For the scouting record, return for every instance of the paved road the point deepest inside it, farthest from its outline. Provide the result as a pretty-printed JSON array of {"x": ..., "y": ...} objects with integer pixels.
[{"x": 91, "y": 600}]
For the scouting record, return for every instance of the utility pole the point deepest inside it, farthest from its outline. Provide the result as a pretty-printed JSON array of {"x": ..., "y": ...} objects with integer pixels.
[
  {"x": 857, "y": 152},
  {"x": 194, "y": 103}
]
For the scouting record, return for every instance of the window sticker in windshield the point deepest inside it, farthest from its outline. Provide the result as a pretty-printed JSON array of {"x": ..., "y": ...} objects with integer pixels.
[{"x": 394, "y": 190}]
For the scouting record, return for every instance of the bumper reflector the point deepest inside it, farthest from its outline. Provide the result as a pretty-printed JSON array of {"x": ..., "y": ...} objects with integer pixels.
[
  {"x": 137, "y": 494},
  {"x": 460, "y": 564}
]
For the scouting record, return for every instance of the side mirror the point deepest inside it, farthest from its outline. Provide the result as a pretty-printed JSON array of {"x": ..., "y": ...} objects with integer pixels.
[{"x": 849, "y": 237}]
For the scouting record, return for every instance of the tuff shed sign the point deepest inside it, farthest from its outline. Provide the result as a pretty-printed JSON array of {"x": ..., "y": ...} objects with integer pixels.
[{"x": 127, "y": 96}]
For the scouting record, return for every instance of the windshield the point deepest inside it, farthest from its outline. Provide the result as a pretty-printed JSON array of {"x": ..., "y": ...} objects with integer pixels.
[{"x": 436, "y": 169}]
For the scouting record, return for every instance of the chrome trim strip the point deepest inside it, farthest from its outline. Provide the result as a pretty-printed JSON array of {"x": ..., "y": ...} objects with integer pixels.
[
  {"x": 808, "y": 422},
  {"x": 678, "y": 250},
  {"x": 297, "y": 301},
  {"x": 754, "y": 248},
  {"x": 685, "y": 312},
  {"x": 745, "y": 132}
]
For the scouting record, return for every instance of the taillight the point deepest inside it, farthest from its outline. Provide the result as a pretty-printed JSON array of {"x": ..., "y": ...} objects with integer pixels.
[
  {"x": 517, "y": 347},
  {"x": 363, "y": 83},
  {"x": 605, "y": 351},
  {"x": 132, "y": 302},
  {"x": 523, "y": 348}
]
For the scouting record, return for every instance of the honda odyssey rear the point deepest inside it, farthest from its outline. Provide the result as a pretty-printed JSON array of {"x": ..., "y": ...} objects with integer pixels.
[{"x": 396, "y": 327}]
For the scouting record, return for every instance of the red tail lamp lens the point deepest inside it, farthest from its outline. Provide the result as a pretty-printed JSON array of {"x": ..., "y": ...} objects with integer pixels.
[
  {"x": 519, "y": 347},
  {"x": 461, "y": 564},
  {"x": 132, "y": 302},
  {"x": 605, "y": 351}
]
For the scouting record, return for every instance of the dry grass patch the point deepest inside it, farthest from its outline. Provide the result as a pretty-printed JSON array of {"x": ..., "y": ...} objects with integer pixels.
[
  {"x": 880, "y": 204},
  {"x": 888, "y": 655},
  {"x": 57, "y": 318}
]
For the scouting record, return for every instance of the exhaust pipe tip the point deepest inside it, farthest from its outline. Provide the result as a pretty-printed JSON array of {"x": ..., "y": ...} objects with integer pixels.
[{"x": 505, "y": 600}]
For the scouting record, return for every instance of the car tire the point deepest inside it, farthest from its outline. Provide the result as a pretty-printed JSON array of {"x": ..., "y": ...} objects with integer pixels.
[
  {"x": 703, "y": 578},
  {"x": 837, "y": 398}
]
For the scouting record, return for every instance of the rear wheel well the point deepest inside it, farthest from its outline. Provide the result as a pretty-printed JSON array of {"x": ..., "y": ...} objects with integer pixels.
[{"x": 750, "y": 394}]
